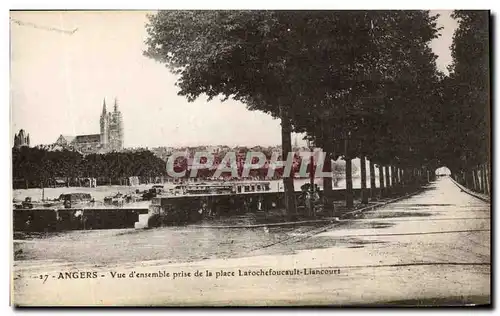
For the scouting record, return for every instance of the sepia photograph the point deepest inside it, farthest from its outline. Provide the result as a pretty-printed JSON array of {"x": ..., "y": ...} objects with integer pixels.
[{"x": 250, "y": 158}]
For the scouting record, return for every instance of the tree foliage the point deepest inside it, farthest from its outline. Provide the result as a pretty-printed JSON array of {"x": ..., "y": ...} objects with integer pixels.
[
  {"x": 37, "y": 167},
  {"x": 359, "y": 83},
  {"x": 467, "y": 93},
  {"x": 367, "y": 73}
]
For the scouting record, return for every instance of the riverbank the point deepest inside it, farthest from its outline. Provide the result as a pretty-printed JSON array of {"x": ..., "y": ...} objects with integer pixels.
[{"x": 100, "y": 192}]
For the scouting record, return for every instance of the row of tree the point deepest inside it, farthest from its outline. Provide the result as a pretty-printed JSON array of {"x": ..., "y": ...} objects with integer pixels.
[
  {"x": 359, "y": 83},
  {"x": 35, "y": 167},
  {"x": 466, "y": 136}
]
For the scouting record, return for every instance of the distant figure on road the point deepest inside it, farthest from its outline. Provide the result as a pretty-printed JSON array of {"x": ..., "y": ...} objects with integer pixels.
[
  {"x": 202, "y": 211},
  {"x": 259, "y": 204}
]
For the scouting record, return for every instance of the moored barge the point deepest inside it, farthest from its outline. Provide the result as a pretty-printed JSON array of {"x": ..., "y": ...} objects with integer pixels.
[{"x": 193, "y": 202}]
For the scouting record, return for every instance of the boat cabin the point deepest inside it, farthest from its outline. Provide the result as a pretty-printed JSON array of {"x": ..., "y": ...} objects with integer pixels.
[
  {"x": 251, "y": 187},
  {"x": 209, "y": 188},
  {"x": 75, "y": 197},
  {"x": 228, "y": 187}
]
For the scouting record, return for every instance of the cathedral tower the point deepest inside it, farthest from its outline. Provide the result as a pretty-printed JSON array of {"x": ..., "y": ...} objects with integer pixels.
[
  {"x": 111, "y": 135},
  {"x": 104, "y": 123},
  {"x": 115, "y": 129}
]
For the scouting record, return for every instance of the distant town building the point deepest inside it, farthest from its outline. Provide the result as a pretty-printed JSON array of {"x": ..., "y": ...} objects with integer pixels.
[
  {"x": 109, "y": 139},
  {"x": 21, "y": 139},
  {"x": 213, "y": 149}
]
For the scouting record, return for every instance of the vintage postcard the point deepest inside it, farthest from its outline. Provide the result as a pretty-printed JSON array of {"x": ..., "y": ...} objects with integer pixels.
[{"x": 250, "y": 158}]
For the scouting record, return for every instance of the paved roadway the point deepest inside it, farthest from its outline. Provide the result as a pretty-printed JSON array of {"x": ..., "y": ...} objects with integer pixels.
[{"x": 432, "y": 248}]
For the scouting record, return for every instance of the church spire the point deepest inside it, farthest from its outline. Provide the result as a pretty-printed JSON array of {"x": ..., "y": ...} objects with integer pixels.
[
  {"x": 104, "y": 107},
  {"x": 116, "y": 105}
]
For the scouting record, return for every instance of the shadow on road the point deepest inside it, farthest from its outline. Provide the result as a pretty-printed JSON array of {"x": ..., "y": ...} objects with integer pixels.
[{"x": 374, "y": 215}]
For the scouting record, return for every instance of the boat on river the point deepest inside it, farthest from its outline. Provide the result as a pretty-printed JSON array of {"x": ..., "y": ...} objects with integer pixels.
[
  {"x": 65, "y": 200},
  {"x": 192, "y": 202}
]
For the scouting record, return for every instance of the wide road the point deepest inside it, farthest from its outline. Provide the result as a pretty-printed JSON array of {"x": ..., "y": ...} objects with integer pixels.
[{"x": 432, "y": 248}]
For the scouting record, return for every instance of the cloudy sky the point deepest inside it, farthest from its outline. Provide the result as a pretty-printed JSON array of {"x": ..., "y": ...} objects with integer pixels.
[{"x": 59, "y": 81}]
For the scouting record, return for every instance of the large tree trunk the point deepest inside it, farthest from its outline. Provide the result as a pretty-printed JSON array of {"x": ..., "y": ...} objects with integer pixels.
[
  {"x": 469, "y": 180},
  {"x": 327, "y": 181},
  {"x": 394, "y": 177},
  {"x": 381, "y": 180},
  {"x": 401, "y": 177},
  {"x": 488, "y": 179},
  {"x": 364, "y": 193},
  {"x": 479, "y": 180},
  {"x": 349, "y": 198},
  {"x": 483, "y": 179},
  {"x": 398, "y": 178},
  {"x": 474, "y": 179},
  {"x": 312, "y": 212},
  {"x": 286, "y": 144},
  {"x": 388, "y": 184},
  {"x": 372, "y": 181}
]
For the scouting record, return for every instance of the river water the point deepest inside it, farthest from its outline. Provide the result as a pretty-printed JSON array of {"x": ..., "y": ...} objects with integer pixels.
[{"x": 100, "y": 192}]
